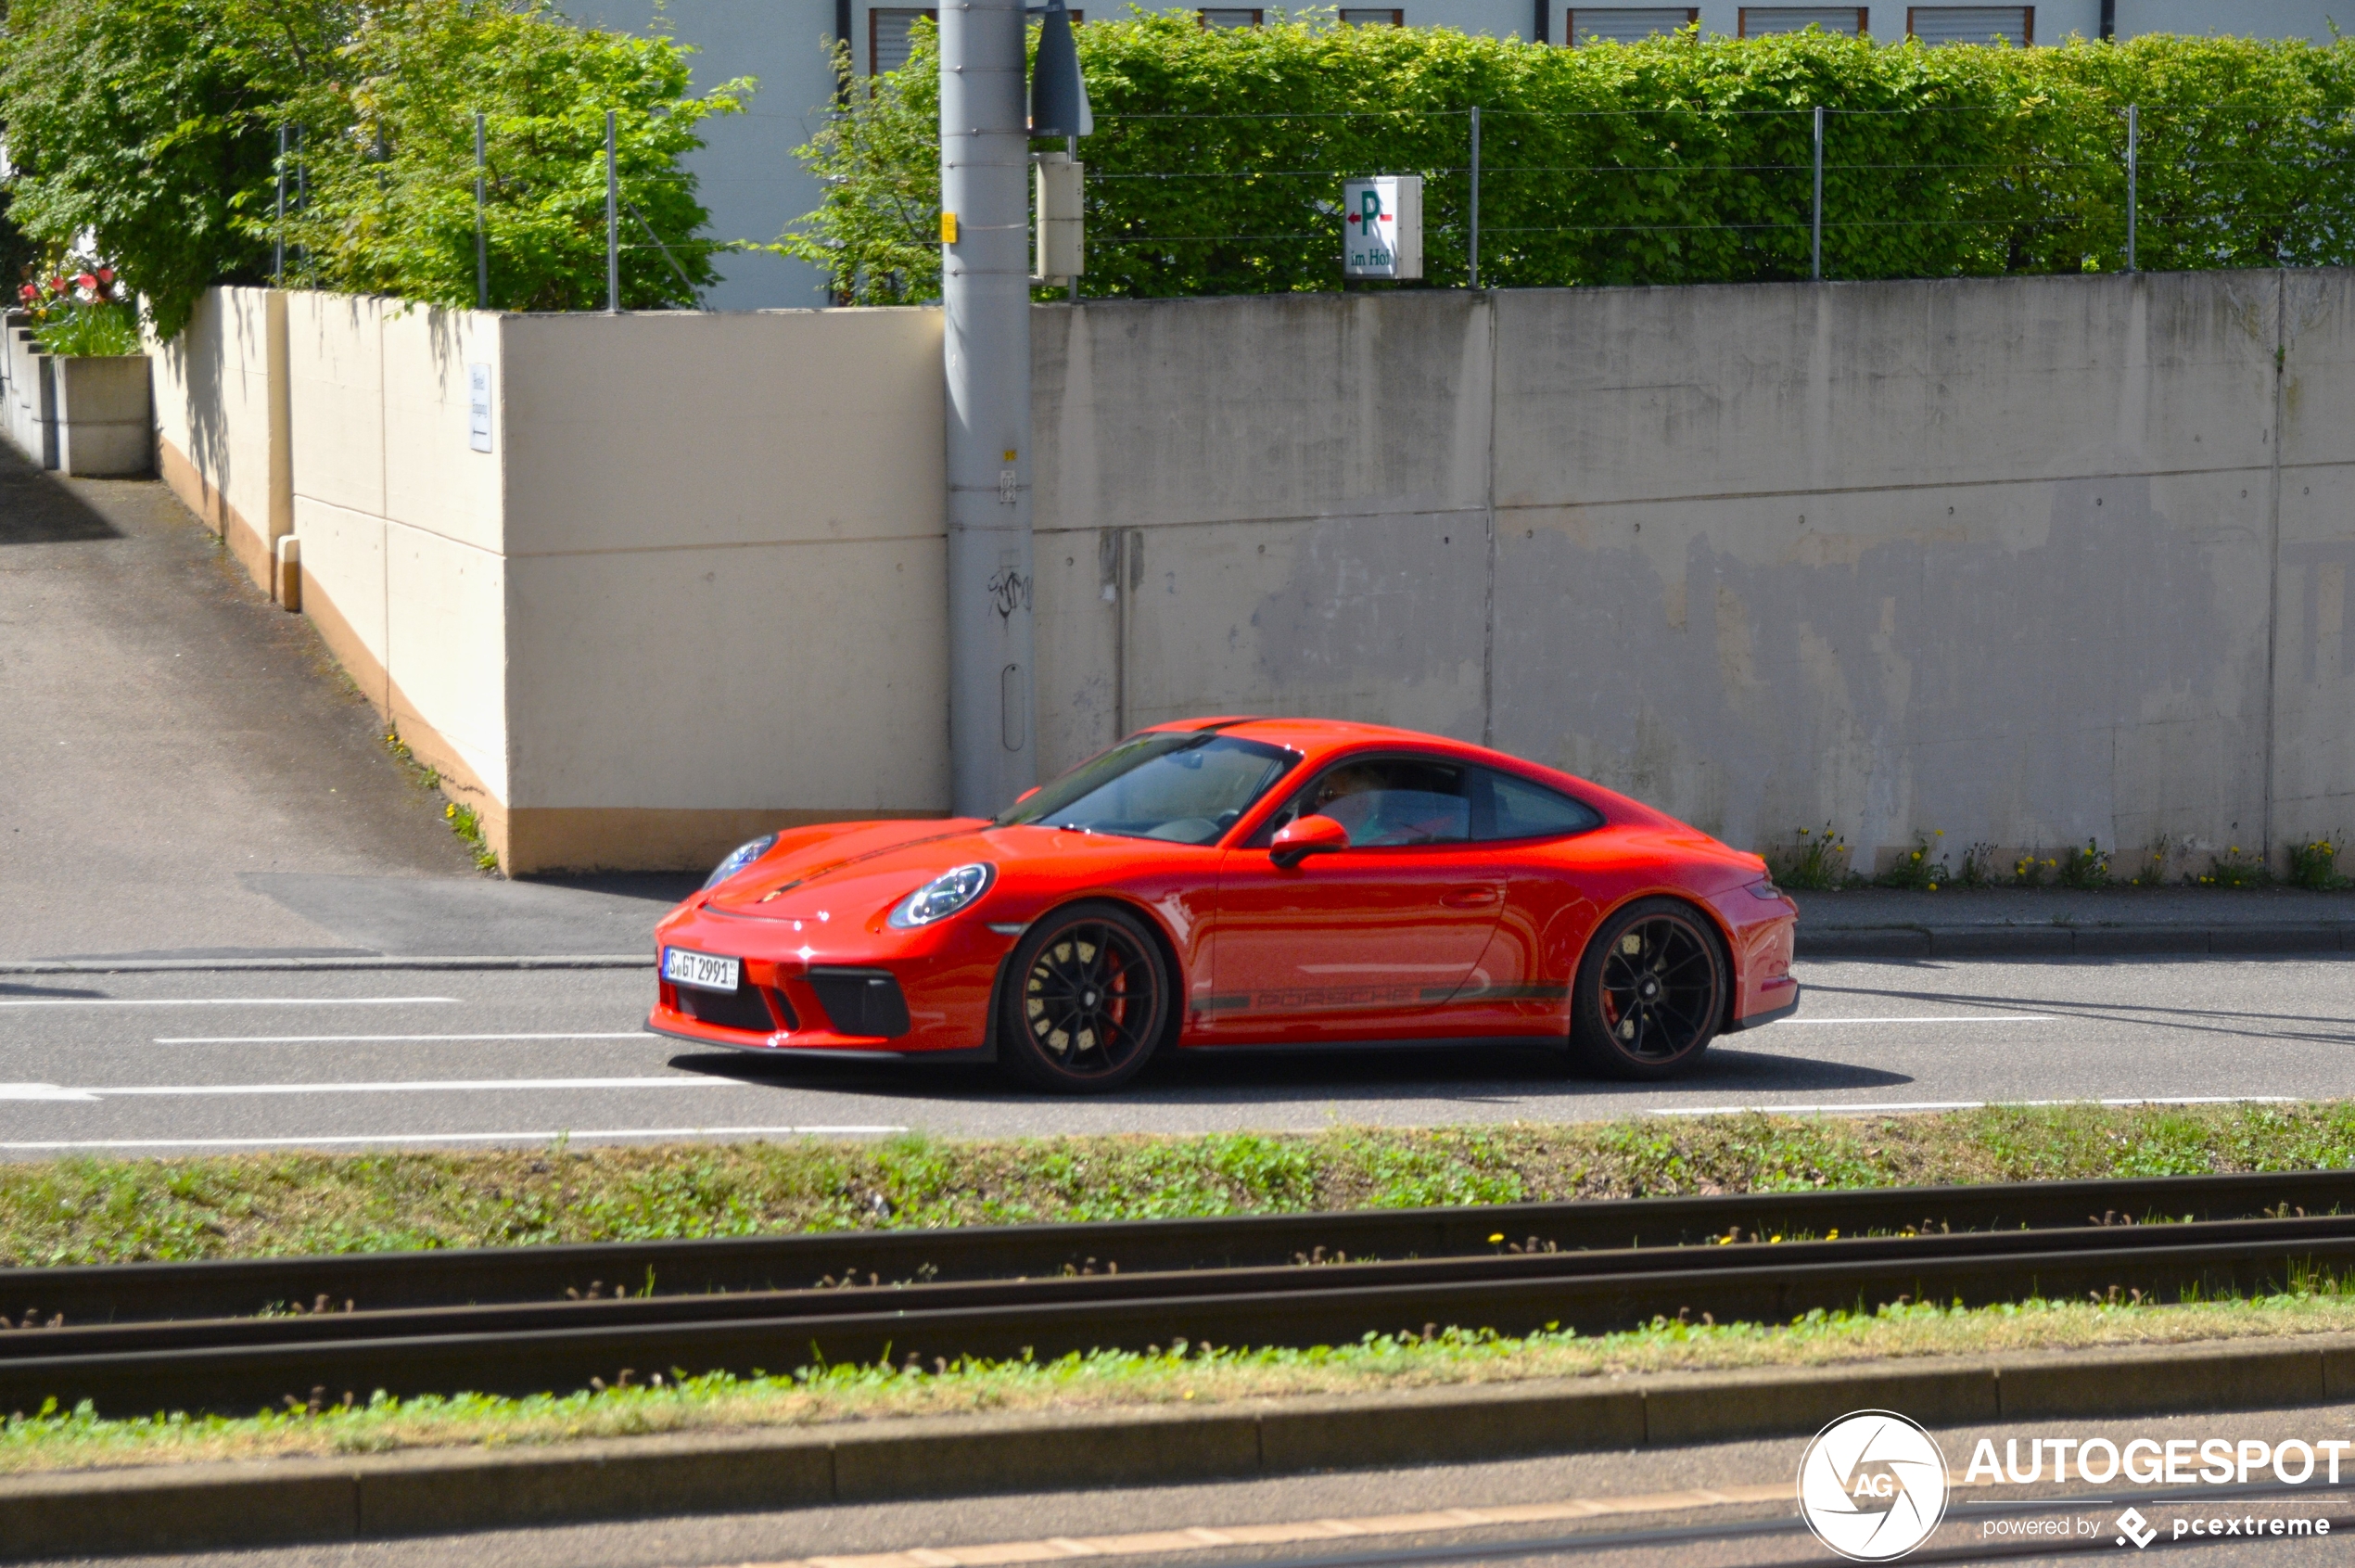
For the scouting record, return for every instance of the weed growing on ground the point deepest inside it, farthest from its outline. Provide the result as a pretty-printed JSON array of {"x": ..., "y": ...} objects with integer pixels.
[
  {"x": 2152, "y": 872},
  {"x": 93, "y": 1210},
  {"x": 464, "y": 819},
  {"x": 2029, "y": 872},
  {"x": 1916, "y": 870},
  {"x": 2314, "y": 865},
  {"x": 467, "y": 825},
  {"x": 2232, "y": 869},
  {"x": 1818, "y": 860},
  {"x": 1978, "y": 867},
  {"x": 2088, "y": 867}
]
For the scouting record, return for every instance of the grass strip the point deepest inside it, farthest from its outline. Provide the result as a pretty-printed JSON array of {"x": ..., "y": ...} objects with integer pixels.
[
  {"x": 52, "y": 1439},
  {"x": 119, "y": 1210}
]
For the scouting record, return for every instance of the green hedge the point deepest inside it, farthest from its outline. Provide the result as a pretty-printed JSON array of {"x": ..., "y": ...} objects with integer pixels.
[{"x": 1217, "y": 163}]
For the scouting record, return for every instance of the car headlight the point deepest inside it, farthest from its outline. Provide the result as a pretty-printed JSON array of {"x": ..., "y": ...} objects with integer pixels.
[
  {"x": 944, "y": 895},
  {"x": 1766, "y": 891},
  {"x": 740, "y": 857}
]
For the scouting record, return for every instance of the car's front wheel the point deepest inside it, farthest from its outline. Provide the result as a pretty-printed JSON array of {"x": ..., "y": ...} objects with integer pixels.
[
  {"x": 1085, "y": 999},
  {"x": 1651, "y": 991}
]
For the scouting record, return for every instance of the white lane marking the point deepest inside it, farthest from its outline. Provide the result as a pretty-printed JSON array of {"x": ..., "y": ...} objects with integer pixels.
[
  {"x": 428, "y": 1085},
  {"x": 219, "y": 1000},
  {"x": 1940, "y": 1018},
  {"x": 574, "y": 1134},
  {"x": 1866, "y": 1107},
  {"x": 373, "y": 1039}
]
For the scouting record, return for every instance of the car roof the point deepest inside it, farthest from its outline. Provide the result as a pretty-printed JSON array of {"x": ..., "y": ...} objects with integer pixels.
[{"x": 1322, "y": 734}]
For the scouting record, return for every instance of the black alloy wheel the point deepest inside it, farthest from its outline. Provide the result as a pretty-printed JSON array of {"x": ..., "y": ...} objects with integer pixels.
[
  {"x": 1086, "y": 1001},
  {"x": 1651, "y": 991}
]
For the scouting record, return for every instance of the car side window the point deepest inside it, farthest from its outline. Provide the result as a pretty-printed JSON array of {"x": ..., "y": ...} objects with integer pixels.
[
  {"x": 1386, "y": 802},
  {"x": 1517, "y": 809}
]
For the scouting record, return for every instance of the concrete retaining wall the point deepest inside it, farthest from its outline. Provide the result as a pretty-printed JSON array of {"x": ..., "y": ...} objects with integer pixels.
[
  {"x": 2000, "y": 558},
  {"x": 2028, "y": 561}
]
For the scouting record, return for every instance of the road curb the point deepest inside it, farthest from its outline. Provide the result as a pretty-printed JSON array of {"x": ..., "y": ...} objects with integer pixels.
[
  {"x": 2069, "y": 941},
  {"x": 228, "y": 1506},
  {"x": 184, "y": 965}
]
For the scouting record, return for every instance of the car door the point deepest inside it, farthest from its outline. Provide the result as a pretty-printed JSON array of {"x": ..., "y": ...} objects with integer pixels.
[{"x": 1363, "y": 941}]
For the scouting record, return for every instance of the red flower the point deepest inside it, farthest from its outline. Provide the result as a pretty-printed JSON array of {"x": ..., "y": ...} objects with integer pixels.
[
  {"x": 28, "y": 292},
  {"x": 86, "y": 280},
  {"x": 106, "y": 275}
]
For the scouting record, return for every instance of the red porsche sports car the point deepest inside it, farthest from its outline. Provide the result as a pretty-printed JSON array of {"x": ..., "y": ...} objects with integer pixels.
[{"x": 1240, "y": 882}]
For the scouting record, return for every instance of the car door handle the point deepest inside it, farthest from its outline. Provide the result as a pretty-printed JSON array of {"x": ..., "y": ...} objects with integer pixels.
[{"x": 1471, "y": 897}]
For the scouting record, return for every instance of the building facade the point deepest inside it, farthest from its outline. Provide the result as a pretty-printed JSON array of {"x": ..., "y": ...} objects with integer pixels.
[{"x": 754, "y": 187}]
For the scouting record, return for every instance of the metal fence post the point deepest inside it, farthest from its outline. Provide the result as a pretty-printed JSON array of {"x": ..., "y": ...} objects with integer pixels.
[
  {"x": 1475, "y": 195},
  {"x": 1815, "y": 228},
  {"x": 482, "y": 246},
  {"x": 278, "y": 256},
  {"x": 2133, "y": 139},
  {"x": 613, "y": 225}
]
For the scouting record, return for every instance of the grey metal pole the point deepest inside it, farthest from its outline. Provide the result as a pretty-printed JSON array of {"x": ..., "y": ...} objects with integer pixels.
[
  {"x": 613, "y": 225},
  {"x": 1071, "y": 146},
  {"x": 1816, "y": 228},
  {"x": 482, "y": 246},
  {"x": 1475, "y": 196},
  {"x": 278, "y": 258},
  {"x": 2134, "y": 154},
  {"x": 985, "y": 296}
]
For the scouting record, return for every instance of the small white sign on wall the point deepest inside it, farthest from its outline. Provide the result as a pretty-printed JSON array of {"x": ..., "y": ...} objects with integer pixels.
[{"x": 478, "y": 407}]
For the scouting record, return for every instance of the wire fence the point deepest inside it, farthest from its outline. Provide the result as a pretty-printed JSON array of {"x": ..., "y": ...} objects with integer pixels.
[{"x": 1213, "y": 203}]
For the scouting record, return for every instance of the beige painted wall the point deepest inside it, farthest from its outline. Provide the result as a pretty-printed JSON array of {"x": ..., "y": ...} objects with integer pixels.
[
  {"x": 725, "y": 577},
  {"x": 215, "y": 440}
]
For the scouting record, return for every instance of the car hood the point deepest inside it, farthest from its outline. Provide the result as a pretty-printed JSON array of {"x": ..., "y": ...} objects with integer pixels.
[{"x": 858, "y": 874}]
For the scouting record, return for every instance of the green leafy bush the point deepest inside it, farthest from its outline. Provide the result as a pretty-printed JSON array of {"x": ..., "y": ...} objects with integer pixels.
[
  {"x": 387, "y": 161},
  {"x": 1218, "y": 154},
  {"x": 91, "y": 330},
  {"x": 151, "y": 127}
]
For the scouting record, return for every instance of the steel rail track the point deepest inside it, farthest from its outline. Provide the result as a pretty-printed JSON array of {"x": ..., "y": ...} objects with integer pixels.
[
  {"x": 528, "y": 1346},
  {"x": 118, "y": 1292}
]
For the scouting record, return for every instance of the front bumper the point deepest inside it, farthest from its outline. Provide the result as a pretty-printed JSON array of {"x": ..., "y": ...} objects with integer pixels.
[{"x": 889, "y": 993}]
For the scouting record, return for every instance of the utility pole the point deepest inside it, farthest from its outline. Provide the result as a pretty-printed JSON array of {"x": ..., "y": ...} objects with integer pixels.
[{"x": 985, "y": 294}]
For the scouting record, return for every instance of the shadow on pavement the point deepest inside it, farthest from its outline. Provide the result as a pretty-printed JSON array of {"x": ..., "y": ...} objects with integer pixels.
[
  {"x": 1499, "y": 1072},
  {"x": 36, "y": 509}
]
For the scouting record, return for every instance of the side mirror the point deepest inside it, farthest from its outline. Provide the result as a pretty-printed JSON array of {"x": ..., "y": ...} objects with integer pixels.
[{"x": 1306, "y": 836}]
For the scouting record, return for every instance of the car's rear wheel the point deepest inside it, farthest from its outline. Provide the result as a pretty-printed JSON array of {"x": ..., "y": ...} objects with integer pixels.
[
  {"x": 1086, "y": 1001},
  {"x": 1651, "y": 991}
]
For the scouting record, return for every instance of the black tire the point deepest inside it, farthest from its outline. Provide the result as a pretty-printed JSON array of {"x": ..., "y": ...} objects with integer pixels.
[
  {"x": 1651, "y": 991},
  {"x": 1087, "y": 998}
]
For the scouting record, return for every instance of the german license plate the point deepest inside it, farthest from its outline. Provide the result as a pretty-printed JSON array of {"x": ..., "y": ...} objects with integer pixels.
[{"x": 705, "y": 972}]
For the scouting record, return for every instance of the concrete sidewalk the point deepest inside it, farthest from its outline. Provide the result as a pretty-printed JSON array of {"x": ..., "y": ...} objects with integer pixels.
[
  {"x": 2063, "y": 923},
  {"x": 188, "y": 776}
]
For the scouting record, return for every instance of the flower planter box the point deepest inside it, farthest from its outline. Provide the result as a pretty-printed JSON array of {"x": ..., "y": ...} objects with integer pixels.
[{"x": 103, "y": 426}]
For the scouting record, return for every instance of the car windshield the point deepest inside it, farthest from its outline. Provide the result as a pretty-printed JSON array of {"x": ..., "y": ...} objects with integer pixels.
[{"x": 1186, "y": 787}]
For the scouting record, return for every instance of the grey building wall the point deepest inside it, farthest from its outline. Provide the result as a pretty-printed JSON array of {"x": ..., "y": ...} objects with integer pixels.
[
  {"x": 2025, "y": 560},
  {"x": 747, "y": 173}
]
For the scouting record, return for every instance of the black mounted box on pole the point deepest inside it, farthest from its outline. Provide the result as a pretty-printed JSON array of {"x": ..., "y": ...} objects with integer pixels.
[{"x": 1058, "y": 93}]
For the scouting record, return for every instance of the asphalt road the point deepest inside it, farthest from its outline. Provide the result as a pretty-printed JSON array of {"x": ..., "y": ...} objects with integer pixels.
[
  {"x": 1641, "y": 1523},
  {"x": 234, "y": 1059}
]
